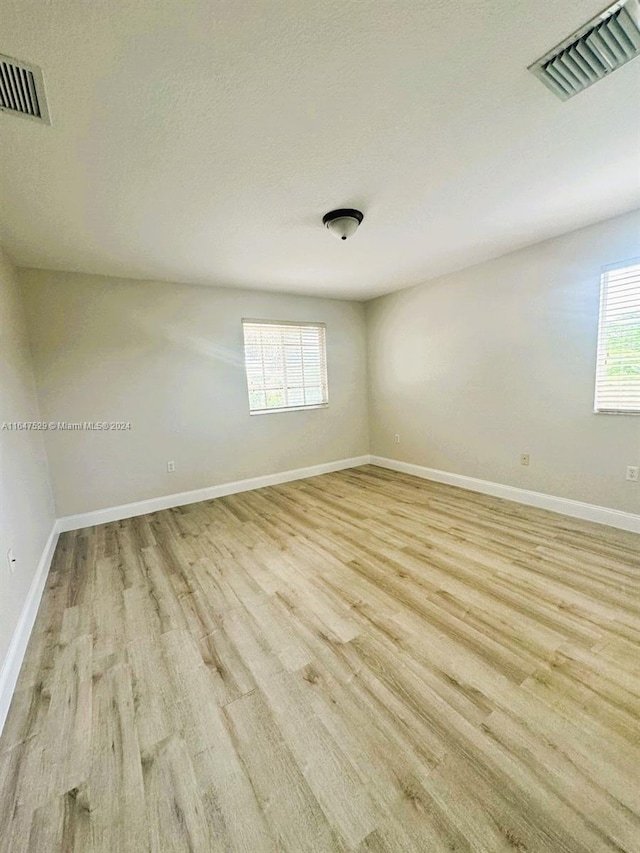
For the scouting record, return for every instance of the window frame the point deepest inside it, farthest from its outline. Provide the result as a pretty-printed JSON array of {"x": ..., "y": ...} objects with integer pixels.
[
  {"x": 324, "y": 367},
  {"x": 602, "y": 325}
]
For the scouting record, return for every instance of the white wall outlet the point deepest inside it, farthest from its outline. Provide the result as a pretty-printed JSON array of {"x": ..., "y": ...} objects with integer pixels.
[
  {"x": 524, "y": 458},
  {"x": 171, "y": 467},
  {"x": 632, "y": 473},
  {"x": 11, "y": 560},
  {"x": 396, "y": 438}
]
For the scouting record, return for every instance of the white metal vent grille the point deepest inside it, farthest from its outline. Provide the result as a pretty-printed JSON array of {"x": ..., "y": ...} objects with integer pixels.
[
  {"x": 594, "y": 51},
  {"x": 22, "y": 90}
]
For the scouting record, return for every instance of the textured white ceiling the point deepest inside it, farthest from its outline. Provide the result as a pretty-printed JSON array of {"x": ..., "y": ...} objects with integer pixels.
[{"x": 203, "y": 141}]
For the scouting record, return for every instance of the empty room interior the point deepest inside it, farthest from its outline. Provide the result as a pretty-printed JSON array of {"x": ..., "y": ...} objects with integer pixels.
[{"x": 319, "y": 426}]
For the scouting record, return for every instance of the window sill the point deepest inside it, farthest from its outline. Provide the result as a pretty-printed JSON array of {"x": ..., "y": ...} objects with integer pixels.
[{"x": 288, "y": 409}]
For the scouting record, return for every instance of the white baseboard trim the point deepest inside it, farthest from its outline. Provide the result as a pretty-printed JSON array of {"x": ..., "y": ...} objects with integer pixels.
[
  {"x": 20, "y": 639},
  {"x": 564, "y": 506},
  {"x": 115, "y": 513}
]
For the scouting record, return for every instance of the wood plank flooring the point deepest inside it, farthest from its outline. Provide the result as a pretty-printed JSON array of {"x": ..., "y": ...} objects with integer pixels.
[{"x": 362, "y": 661}]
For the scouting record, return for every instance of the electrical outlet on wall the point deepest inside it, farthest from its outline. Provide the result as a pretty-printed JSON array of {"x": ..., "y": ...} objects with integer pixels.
[
  {"x": 524, "y": 458},
  {"x": 632, "y": 473},
  {"x": 396, "y": 438},
  {"x": 171, "y": 467}
]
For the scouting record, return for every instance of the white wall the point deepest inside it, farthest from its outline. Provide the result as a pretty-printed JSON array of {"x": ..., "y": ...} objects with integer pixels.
[
  {"x": 169, "y": 359},
  {"x": 476, "y": 367},
  {"x": 26, "y": 506},
  {"x": 471, "y": 369}
]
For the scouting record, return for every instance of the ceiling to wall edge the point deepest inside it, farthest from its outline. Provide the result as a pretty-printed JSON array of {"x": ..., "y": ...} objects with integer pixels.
[{"x": 283, "y": 292}]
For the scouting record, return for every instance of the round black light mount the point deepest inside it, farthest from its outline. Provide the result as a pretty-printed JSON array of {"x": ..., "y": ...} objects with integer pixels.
[{"x": 343, "y": 223}]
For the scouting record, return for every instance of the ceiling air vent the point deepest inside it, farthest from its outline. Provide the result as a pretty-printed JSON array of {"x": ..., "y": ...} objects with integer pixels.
[
  {"x": 22, "y": 90},
  {"x": 592, "y": 52}
]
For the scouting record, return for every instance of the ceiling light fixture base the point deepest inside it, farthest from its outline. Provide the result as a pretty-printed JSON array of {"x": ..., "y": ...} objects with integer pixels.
[{"x": 343, "y": 222}]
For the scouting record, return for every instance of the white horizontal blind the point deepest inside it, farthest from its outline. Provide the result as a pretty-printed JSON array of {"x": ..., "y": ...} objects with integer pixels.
[
  {"x": 286, "y": 365},
  {"x": 618, "y": 365}
]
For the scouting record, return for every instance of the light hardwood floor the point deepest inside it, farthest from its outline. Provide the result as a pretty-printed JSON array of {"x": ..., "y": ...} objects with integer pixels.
[{"x": 362, "y": 661}]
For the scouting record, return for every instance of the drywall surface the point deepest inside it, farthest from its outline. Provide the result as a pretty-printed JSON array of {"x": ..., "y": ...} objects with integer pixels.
[
  {"x": 203, "y": 141},
  {"x": 477, "y": 367},
  {"x": 26, "y": 506},
  {"x": 168, "y": 359}
]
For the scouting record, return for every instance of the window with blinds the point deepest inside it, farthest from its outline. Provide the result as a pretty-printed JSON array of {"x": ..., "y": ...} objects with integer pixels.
[
  {"x": 618, "y": 364},
  {"x": 286, "y": 365}
]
